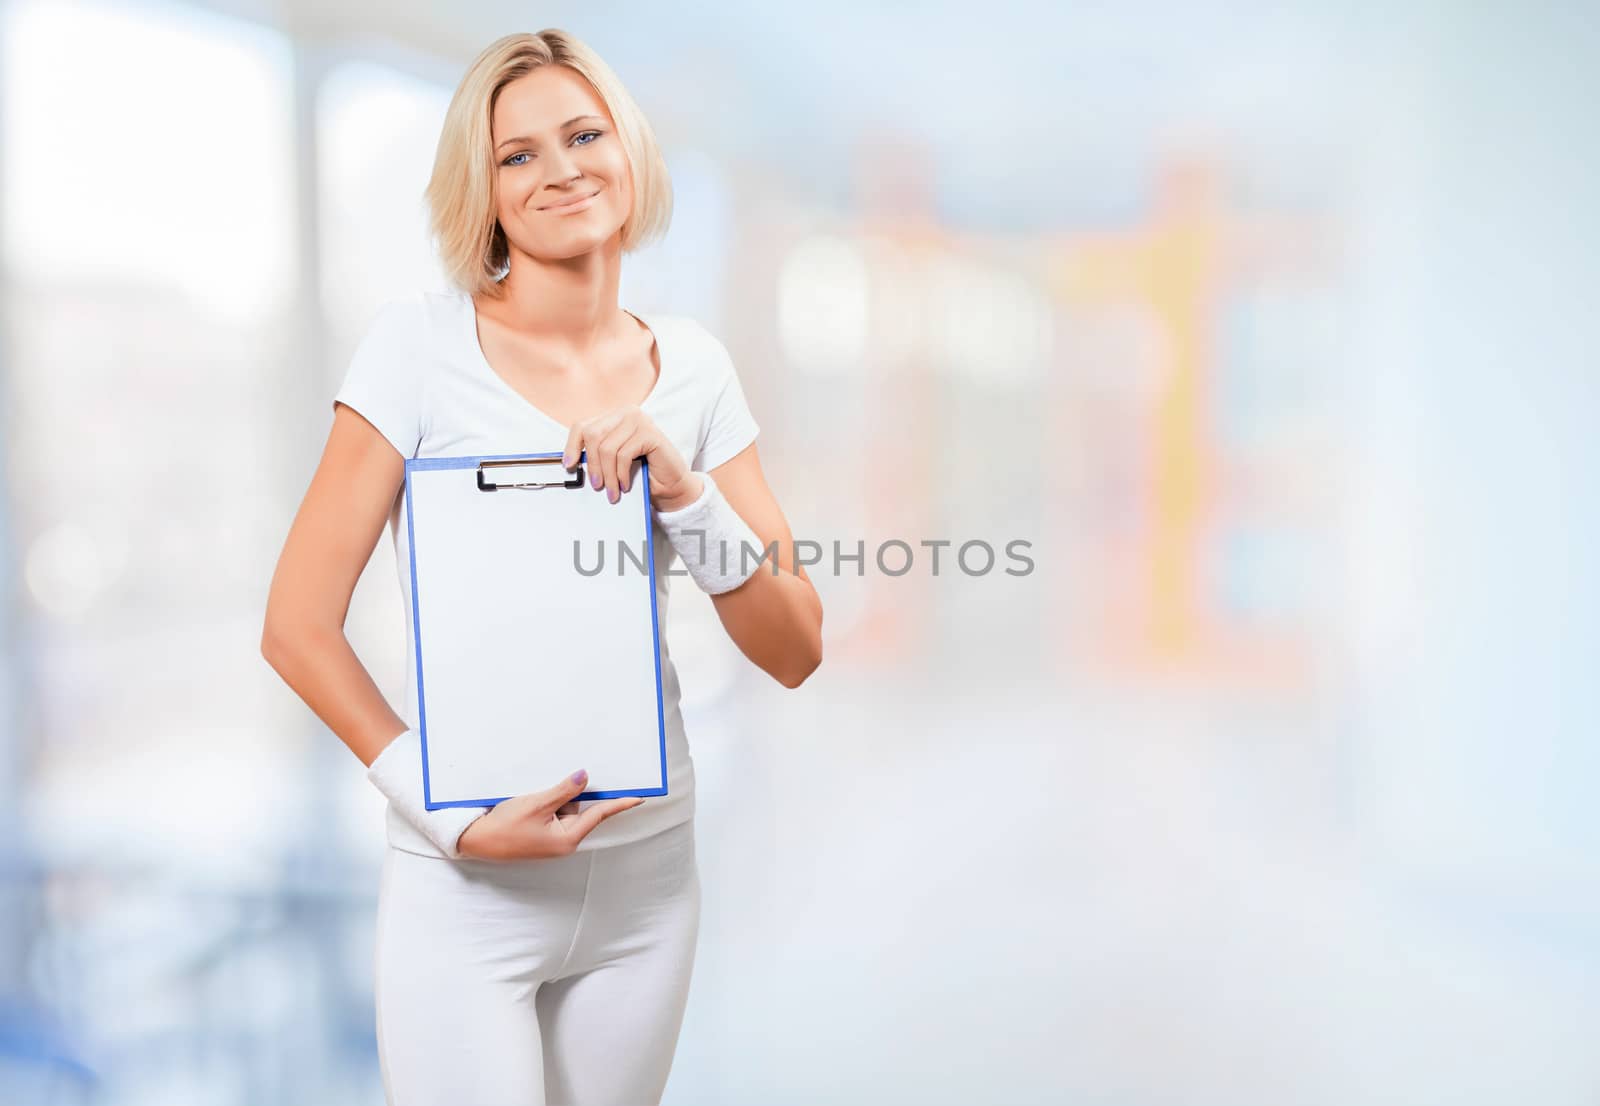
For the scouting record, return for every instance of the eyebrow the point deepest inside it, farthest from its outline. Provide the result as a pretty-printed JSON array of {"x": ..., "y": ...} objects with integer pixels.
[{"x": 564, "y": 126}]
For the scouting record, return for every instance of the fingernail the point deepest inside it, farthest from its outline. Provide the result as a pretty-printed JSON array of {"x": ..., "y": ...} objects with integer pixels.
[
  {"x": 580, "y": 775},
  {"x": 594, "y": 478}
]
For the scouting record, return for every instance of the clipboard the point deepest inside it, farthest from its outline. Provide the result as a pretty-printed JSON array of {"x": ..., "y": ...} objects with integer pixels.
[{"x": 528, "y": 668}]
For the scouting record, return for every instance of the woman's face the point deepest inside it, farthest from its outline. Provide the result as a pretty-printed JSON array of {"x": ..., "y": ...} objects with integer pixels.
[{"x": 554, "y": 141}]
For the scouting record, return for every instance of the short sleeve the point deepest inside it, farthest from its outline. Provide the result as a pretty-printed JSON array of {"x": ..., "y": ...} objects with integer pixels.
[
  {"x": 729, "y": 425},
  {"x": 383, "y": 383}
]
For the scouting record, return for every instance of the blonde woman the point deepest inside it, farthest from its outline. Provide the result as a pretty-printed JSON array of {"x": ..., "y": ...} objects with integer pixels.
[{"x": 539, "y": 951}]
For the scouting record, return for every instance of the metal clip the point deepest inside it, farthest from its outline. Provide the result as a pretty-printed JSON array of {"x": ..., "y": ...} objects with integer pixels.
[{"x": 532, "y": 474}]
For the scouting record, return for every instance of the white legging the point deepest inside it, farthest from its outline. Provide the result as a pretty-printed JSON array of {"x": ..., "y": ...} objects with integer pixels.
[{"x": 526, "y": 983}]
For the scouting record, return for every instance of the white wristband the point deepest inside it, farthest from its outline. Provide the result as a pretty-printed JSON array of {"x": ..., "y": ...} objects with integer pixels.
[
  {"x": 397, "y": 772},
  {"x": 711, "y": 538}
]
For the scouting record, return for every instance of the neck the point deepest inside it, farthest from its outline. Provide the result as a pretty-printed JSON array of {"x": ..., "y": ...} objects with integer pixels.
[{"x": 569, "y": 302}]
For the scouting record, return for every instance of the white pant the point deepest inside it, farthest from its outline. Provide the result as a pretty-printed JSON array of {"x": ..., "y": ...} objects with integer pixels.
[{"x": 525, "y": 983}]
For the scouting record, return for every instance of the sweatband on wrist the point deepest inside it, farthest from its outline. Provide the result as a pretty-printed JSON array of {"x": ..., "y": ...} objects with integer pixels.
[
  {"x": 711, "y": 538},
  {"x": 397, "y": 772}
]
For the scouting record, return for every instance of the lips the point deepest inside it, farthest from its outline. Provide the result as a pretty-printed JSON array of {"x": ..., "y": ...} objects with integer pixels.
[{"x": 571, "y": 202}]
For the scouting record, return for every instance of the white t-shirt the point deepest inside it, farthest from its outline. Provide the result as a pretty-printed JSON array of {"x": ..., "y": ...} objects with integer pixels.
[{"x": 419, "y": 376}]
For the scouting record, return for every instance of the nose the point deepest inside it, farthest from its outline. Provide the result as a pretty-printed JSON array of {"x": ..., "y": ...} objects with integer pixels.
[{"x": 563, "y": 169}]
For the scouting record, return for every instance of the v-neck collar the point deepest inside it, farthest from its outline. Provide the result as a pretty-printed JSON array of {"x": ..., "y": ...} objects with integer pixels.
[{"x": 481, "y": 361}]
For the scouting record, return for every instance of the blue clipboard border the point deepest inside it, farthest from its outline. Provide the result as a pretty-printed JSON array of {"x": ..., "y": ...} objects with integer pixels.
[{"x": 424, "y": 464}]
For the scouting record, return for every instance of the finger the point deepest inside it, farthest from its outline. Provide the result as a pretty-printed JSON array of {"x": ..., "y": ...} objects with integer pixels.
[
  {"x": 614, "y": 439},
  {"x": 627, "y": 448},
  {"x": 539, "y": 802},
  {"x": 594, "y": 432},
  {"x": 614, "y": 435},
  {"x": 592, "y": 817},
  {"x": 574, "y": 447},
  {"x": 584, "y": 432},
  {"x": 639, "y": 443}
]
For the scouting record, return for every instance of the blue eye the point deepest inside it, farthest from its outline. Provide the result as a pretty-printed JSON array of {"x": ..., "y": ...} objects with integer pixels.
[{"x": 514, "y": 163}]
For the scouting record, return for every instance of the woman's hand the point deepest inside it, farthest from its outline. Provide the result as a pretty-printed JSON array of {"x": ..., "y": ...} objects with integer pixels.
[
  {"x": 532, "y": 826},
  {"x": 614, "y": 440}
]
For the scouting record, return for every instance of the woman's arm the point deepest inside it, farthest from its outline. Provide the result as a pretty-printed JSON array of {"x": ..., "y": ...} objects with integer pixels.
[
  {"x": 329, "y": 543},
  {"x": 774, "y": 619}
]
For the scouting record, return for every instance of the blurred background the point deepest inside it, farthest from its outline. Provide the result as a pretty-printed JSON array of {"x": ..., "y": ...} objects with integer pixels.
[{"x": 1271, "y": 329}]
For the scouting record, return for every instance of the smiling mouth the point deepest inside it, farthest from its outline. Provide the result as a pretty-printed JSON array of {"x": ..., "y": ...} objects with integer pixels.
[{"x": 570, "y": 203}]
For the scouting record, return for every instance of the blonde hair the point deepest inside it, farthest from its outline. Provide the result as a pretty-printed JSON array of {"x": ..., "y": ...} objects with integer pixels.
[{"x": 461, "y": 192}]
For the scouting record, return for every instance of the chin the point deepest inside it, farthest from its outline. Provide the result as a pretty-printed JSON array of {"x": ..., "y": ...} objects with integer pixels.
[
  {"x": 582, "y": 239},
  {"x": 575, "y": 247}
]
